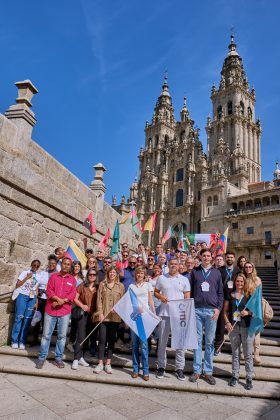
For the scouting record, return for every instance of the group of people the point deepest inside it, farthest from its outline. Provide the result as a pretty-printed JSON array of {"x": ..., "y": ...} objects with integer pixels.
[{"x": 64, "y": 291}]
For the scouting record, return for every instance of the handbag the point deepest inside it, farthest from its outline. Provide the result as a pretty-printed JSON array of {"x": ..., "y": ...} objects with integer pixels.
[{"x": 77, "y": 313}]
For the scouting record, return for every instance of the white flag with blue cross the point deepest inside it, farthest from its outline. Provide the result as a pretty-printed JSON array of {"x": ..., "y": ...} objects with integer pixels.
[{"x": 136, "y": 315}]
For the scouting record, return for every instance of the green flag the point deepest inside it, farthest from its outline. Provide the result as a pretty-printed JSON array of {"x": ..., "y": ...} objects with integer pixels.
[{"x": 116, "y": 240}]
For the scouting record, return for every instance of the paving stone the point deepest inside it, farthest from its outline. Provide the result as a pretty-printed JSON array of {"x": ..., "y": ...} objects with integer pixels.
[
  {"x": 11, "y": 399},
  {"x": 99, "y": 412},
  {"x": 254, "y": 406},
  {"x": 274, "y": 414},
  {"x": 38, "y": 413},
  {"x": 166, "y": 414},
  {"x": 23, "y": 382},
  {"x": 63, "y": 400},
  {"x": 133, "y": 406},
  {"x": 97, "y": 391}
]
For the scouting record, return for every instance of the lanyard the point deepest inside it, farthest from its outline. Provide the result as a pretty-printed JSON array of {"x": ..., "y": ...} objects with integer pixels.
[
  {"x": 229, "y": 273},
  {"x": 205, "y": 274},
  {"x": 237, "y": 302}
]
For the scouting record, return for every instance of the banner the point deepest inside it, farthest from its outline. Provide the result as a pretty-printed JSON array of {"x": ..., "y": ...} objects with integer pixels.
[
  {"x": 183, "y": 324},
  {"x": 136, "y": 315}
]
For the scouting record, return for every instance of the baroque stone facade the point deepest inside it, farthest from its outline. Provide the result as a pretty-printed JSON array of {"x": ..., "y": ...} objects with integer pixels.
[{"x": 208, "y": 192}]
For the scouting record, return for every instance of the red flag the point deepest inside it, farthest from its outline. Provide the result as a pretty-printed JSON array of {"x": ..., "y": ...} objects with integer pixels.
[
  {"x": 103, "y": 243},
  {"x": 89, "y": 223}
]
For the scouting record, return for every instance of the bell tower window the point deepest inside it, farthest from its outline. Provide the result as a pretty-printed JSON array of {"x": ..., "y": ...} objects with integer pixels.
[
  {"x": 180, "y": 175},
  {"x": 219, "y": 111},
  {"x": 179, "y": 198},
  {"x": 242, "y": 108},
  {"x": 229, "y": 108}
]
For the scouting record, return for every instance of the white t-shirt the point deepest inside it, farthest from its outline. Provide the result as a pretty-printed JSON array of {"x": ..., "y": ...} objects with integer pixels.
[
  {"x": 173, "y": 288},
  {"x": 30, "y": 286},
  {"x": 142, "y": 292}
]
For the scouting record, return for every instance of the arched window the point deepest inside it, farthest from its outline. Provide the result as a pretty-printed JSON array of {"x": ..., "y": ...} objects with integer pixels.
[
  {"x": 215, "y": 200},
  {"x": 180, "y": 174},
  {"x": 156, "y": 141},
  {"x": 198, "y": 195},
  {"x": 250, "y": 113},
  {"x": 229, "y": 108},
  {"x": 219, "y": 111},
  {"x": 242, "y": 108},
  {"x": 179, "y": 198},
  {"x": 209, "y": 201}
]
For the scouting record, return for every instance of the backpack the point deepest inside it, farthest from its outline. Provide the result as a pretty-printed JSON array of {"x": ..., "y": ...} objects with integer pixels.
[{"x": 267, "y": 311}]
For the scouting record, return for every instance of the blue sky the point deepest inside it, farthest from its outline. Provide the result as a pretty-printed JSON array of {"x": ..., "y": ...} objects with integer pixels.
[{"x": 99, "y": 65}]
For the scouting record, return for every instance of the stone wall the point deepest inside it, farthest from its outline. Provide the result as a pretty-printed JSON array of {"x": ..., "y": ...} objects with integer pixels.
[{"x": 42, "y": 204}]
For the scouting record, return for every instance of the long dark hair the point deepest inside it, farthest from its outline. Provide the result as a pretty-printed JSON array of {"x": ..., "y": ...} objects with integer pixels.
[
  {"x": 96, "y": 282},
  {"x": 80, "y": 273}
]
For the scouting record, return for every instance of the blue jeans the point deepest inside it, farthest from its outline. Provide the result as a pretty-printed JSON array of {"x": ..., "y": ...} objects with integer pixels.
[
  {"x": 204, "y": 321},
  {"x": 23, "y": 318},
  {"x": 136, "y": 342},
  {"x": 49, "y": 325}
]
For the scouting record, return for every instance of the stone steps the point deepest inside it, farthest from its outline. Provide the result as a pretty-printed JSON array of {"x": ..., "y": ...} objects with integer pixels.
[{"x": 263, "y": 388}]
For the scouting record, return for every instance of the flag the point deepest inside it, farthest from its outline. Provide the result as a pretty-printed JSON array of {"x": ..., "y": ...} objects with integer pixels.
[
  {"x": 89, "y": 223},
  {"x": 224, "y": 240},
  {"x": 181, "y": 241},
  {"x": 125, "y": 218},
  {"x": 254, "y": 305},
  {"x": 183, "y": 324},
  {"x": 116, "y": 240},
  {"x": 151, "y": 223},
  {"x": 75, "y": 254},
  {"x": 194, "y": 238},
  {"x": 168, "y": 234},
  {"x": 103, "y": 243},
  {"x": 136, "y": 315},
  {"x": 136, "y": 227}
]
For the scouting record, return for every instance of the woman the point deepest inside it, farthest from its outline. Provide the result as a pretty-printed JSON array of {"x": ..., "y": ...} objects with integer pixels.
[
  {"x": 91, "y": 263},
  {"x": 144, "y": 292},
  {"x": 110, "y": 291},
  {"x": 26, "y": 301},
  {"x": 241, "y": 262},
  {"x": 253, "y": 281},
  {"x": 85, "y": 300},
  {"x": 77, "y": 273},
  {"x": 237, "y": 322}
]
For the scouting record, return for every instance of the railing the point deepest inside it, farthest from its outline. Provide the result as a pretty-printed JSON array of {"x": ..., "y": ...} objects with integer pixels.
[{"x": 252, "y": 210}]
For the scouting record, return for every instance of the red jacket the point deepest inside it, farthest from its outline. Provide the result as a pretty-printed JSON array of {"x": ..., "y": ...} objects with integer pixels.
[{"x": 62, "y": 287}]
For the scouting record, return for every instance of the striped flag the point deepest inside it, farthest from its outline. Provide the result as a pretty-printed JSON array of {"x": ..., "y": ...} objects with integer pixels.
[
  {"x": 125, "y": 218},
  {"x": 168, "y": 234},
  {"x": 75, "y": 254},
  {"x": 136, "y": 227},
  {"x": 151, "y": 223},
  {"x": 136, "y": 315}
]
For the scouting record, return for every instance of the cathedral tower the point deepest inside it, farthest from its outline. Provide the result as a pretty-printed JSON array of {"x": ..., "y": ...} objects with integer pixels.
[{"x": 233, "y": 132}]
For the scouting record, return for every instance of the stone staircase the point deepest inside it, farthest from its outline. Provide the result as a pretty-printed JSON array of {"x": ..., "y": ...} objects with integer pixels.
[{"x": 267, "y": 376}]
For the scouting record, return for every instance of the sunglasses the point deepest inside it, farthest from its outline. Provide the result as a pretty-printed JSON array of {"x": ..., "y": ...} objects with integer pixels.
[
  {"x": 248, "y": 266},
  {"x": 92, "y": 274},
  {"x": 132, "y": 262},
  {"x": 125, "y": 255},
  {"x": 125, "y": 246},
  {"x": 150, "y": 259}
]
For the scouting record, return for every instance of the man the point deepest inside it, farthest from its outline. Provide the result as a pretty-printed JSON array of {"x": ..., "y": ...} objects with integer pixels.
[
  {"x": 189, "y": 265},
  {"x": 59, "y": 252},
  {"x": 89, "y": 252},
  {"x": 128, "y": 274},
  {"x": 42, "y": 297},
  {"x": 61, "y": 292},
  {"x": 150, "y": 265},
  {"x": 142, "y": 253},
  {"x": 100, "y": 257},
  {"x": 162, "y": 261},
  {"x": 207, "y": 291},
  {"x": 159, "y": 250},
  {"x": 219, "y": 261},
  {"x": 228, "y": 271},
  {"x": 171, "y": 286},
  {"x": 107, "y": 262},
  {"x": 183, "y": 256},
  {"x": 125, "y": 247},
  {"x": 124, "y": 262}
]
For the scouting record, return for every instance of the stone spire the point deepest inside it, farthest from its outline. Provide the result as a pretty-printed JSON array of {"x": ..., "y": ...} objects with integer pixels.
[
  {"x": 164, "y": 111},
  {"x": 184, "y": 111}
]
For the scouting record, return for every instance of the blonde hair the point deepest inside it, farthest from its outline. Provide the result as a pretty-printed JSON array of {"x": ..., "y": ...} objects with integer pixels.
[
  {"x": 140, "y": 269},
  {"x": 253, "y": 281},
  {"x": 246, "y": 292},
  {"x": 112, "y": 268}
]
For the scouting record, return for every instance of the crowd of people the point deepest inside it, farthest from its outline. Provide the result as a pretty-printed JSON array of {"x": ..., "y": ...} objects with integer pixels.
[{"x": 49, "y": 298}]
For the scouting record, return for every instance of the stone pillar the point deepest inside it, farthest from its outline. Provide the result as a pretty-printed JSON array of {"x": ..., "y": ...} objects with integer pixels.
[
  {"x": 21, "y": 113},
  {"x": 98, "y": 186}
]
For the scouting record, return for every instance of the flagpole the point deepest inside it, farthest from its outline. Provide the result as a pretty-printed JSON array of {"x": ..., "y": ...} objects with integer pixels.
[{"x": 96, "y": 326}]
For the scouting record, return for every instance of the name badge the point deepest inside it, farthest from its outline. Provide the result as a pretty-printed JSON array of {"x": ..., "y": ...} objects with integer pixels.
[
  {"x": 69, "y": 284},
  {"x": 205, "y": 286},
  {"x": 236, "y": 316},
  {"x": 230, "y": 284}
]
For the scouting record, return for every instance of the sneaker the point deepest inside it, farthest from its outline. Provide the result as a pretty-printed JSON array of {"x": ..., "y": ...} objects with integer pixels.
[
  {"x": 70, "y": 347},
  {"x": 233, "y": 381},
  {"x": 160, "y": 373},
  {"x": 39, "y": 363},
  {"x": 210, "y": 379},
  {"x": 108, "y": 369},
  {"x": 194, "y": 377},
  {"x": 249, "y": 384},
  {"x": 82, "y": 362},
  {"x": 180, "y": 375},
  {"x": 14, "y": 345},
  {"x": 59, "y": 363},
  {"x": 98, "y": 368},
  {"x": 216, "y": 353},
  {"x": 75, "y": 365},
  {"x": 22, "y": 346}
]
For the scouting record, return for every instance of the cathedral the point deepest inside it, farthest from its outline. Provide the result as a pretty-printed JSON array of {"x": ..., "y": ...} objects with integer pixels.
[{"x": 208, "y": 191}]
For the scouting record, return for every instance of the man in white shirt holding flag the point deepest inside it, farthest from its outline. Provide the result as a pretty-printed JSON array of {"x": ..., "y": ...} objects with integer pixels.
[{"x": 170, "y": 287}]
